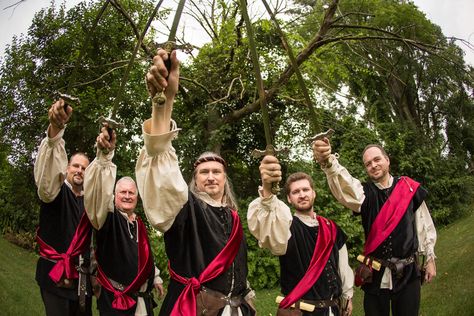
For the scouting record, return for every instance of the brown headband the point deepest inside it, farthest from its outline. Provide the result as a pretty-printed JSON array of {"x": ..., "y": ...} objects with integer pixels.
[{"x": 210, "y": 158}]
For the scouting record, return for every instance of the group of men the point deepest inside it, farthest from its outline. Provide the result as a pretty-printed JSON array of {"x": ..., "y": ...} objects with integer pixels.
[{"x": 203, "y": 234}]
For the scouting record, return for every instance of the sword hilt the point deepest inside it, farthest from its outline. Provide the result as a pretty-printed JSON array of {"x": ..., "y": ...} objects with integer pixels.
[
  {"x": 272, "y": 151},
  {"x": 111, "y": 126},
  {"x": 68, "y": 99},
  {"x": 159, "y": 99}
]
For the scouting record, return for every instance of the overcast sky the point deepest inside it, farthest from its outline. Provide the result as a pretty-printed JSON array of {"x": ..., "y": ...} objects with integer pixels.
[{"x": 455, "y": 17}]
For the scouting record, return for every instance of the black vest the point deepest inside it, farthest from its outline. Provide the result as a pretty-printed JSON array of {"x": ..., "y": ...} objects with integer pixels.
[
  {"x": 295, "y": 262},
  {"x": 57, "y": 224},
  {"x": 199, "y": 232},
  {"x": 402, "y": 242}
]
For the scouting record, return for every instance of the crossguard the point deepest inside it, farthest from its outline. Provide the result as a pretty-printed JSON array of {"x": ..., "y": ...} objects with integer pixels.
[
  {"x": 159, "y": 99},
  {"x": 272, "y": 151},
  {"x": 68, "y": 99},
  {"x": 320, "y": 136}
]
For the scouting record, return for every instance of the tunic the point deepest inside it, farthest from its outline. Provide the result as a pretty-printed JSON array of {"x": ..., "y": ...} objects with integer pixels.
[
  {"x": 195, "y": 226},
  {"x": 116, "y": 237},
  {"x": 60, "y": 211},
  {"x": 415, "y": 232}
]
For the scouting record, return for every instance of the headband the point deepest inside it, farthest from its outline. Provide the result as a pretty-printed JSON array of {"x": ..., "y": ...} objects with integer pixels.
[{"x": 210, "y": 158}]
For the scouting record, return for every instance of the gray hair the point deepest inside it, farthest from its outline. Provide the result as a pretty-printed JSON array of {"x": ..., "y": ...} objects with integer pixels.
[
  {"x": 125, "y": 179},
  {"x": 229, "y": 196}
]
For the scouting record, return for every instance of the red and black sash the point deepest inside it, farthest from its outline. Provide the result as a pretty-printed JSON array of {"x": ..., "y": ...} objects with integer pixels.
[
  {"x": 122, "y": 300},
  {"x": 186, "y": 303},
  {"x": 324, "y": 244},
  {"x": 391, "y": 213},
  {"x": 64, "y": 266}
]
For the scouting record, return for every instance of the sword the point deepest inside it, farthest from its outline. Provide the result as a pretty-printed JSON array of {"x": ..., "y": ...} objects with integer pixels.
[
  {"x": 67, "y": 97},
  {"x": 269, "y": 149},
  {"x": 111, "y": 122},
  {"x": 170, "y": 45}
]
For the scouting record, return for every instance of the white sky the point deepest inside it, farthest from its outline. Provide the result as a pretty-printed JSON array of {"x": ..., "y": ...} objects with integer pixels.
[{"x": 455, "y": 17}]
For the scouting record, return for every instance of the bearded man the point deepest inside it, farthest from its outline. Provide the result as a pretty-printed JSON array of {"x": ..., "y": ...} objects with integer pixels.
[{"x": 314, "y": 268}]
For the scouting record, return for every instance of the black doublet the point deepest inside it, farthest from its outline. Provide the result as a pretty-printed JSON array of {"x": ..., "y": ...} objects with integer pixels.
[
  {"x": 401, "y": 243},
  {"x": 117, "y": 255},
  {"x": 199, "y": 232},
  {"x": 295, "y": 262},
  {"x": 58, "y": 221}
]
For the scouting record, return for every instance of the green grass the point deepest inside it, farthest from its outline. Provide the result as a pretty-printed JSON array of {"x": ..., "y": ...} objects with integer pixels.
[{"x": 449, "y": 294}]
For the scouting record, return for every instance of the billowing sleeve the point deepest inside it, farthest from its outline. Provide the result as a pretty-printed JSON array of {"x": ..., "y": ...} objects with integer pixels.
[
  {"x": 160, "y": 182},
  {"x": 50, "y": 167},
  {"x": 99, "y": 182},
  {"x": 346, "y": 273},
  {"x": 426, "y": 232},
  {"x": 345, "y": 188},
  {"x": 269, "y": 220}
]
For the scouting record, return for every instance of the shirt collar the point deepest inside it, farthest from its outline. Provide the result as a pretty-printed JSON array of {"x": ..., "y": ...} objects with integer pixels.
[
  {"x": 207, "y": 199},
  {"x": 390, "y": 182},
  {"x": 70, "y": 187},
  {"x": 306, "y": 219}
]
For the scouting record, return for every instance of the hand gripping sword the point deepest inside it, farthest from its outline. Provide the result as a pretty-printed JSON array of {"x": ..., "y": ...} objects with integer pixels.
[
  {"x": 321, "y": 136},
  {"x": 170, "y": 45},
  {"x": 270, "y": 149}
]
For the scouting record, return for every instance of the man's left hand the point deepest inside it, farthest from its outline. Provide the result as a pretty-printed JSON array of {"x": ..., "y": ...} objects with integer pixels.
[{"x": 430, "y": 270}]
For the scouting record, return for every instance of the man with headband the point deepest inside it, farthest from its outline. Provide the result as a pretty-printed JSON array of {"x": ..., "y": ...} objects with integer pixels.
[{"x": 203, "y": 235}]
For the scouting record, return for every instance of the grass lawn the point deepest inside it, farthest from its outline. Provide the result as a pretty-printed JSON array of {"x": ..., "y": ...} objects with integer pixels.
[{"x": 450, "y": 293}]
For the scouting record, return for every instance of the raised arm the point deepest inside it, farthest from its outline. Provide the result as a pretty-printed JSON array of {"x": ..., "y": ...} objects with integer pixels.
[
  {"x": 159, "y": 180},
  {"x": 269, "y": 219},
  {"x": 345, "y": 188},
  {"x": 51, "y": 162},
  {"x": 99, "y": 180}
]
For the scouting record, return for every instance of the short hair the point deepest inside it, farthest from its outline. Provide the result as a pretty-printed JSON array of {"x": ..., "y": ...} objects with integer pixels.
[
  {"x": 296, "y": 177},
  {"x": 376, "y": 146},
  {"x": 79, "y": 153},
  {"x": 123, "y": 179},
  {"x": 229, "y": 196}
]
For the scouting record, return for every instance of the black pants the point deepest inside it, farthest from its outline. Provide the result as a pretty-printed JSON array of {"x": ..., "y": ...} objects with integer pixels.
[
  {"x": 55, "y": 305},
  {"x": 403, "y": 303}
]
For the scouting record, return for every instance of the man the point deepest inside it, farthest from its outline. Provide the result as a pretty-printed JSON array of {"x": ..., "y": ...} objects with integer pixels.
[
  {"x": 397, "y": 224},
  {"x": 125, "y": 268},
  {"x": 314, "y": 267},
  {"x": 63, "y": 235},
  {"x": 202, "y": 231}
]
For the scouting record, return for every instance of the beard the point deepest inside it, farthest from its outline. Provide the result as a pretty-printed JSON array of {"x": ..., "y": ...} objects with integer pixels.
[{"x": 304, "y": 209}]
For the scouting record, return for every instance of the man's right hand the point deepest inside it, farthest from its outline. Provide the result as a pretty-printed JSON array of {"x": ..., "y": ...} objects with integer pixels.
[
  {"x": 106, "y": 142},
  {"x": 270, "y": 172},
  {"x": 321, "y": 150},
  {"x": 58, "y": 116},
  {"x": 159, "y": 78}
]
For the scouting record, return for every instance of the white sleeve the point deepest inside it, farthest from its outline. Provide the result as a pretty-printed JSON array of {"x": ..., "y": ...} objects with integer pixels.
[
  {"x": 426, "y": 231},
  {"x": 346, "y": 274},
  {"x": 50, "y": 167},
  {"x": 269, "y": 220},
  {"x": 99, "y": 182},
  {"x": 345, "y": 188},
  {"x": 160, "y": 182}
]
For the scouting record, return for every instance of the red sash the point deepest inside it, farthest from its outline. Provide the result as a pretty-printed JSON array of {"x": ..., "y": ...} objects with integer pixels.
[
  {"x": 186, "y": 303},
  {"x": 64, "y": 261},
  {"x": 391, "y": 213},
  {"x": 326, "y": 238},
  {"x": 145, "y": 265}
]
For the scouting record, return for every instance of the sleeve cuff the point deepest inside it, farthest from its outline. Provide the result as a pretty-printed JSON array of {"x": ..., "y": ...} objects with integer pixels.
[
  {"x": 157, "y": 144},
  {"x": 54, "y": 140}
]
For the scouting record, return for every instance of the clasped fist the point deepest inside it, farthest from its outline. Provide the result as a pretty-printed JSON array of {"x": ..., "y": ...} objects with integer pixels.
[
  {"x": 270, "y": 171},
  {"x": 106, "y": 139},
  {"x": 59, "y": 114},
  {"x": 161, "y": 78},
  {"x": 321, "y": 150}
]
